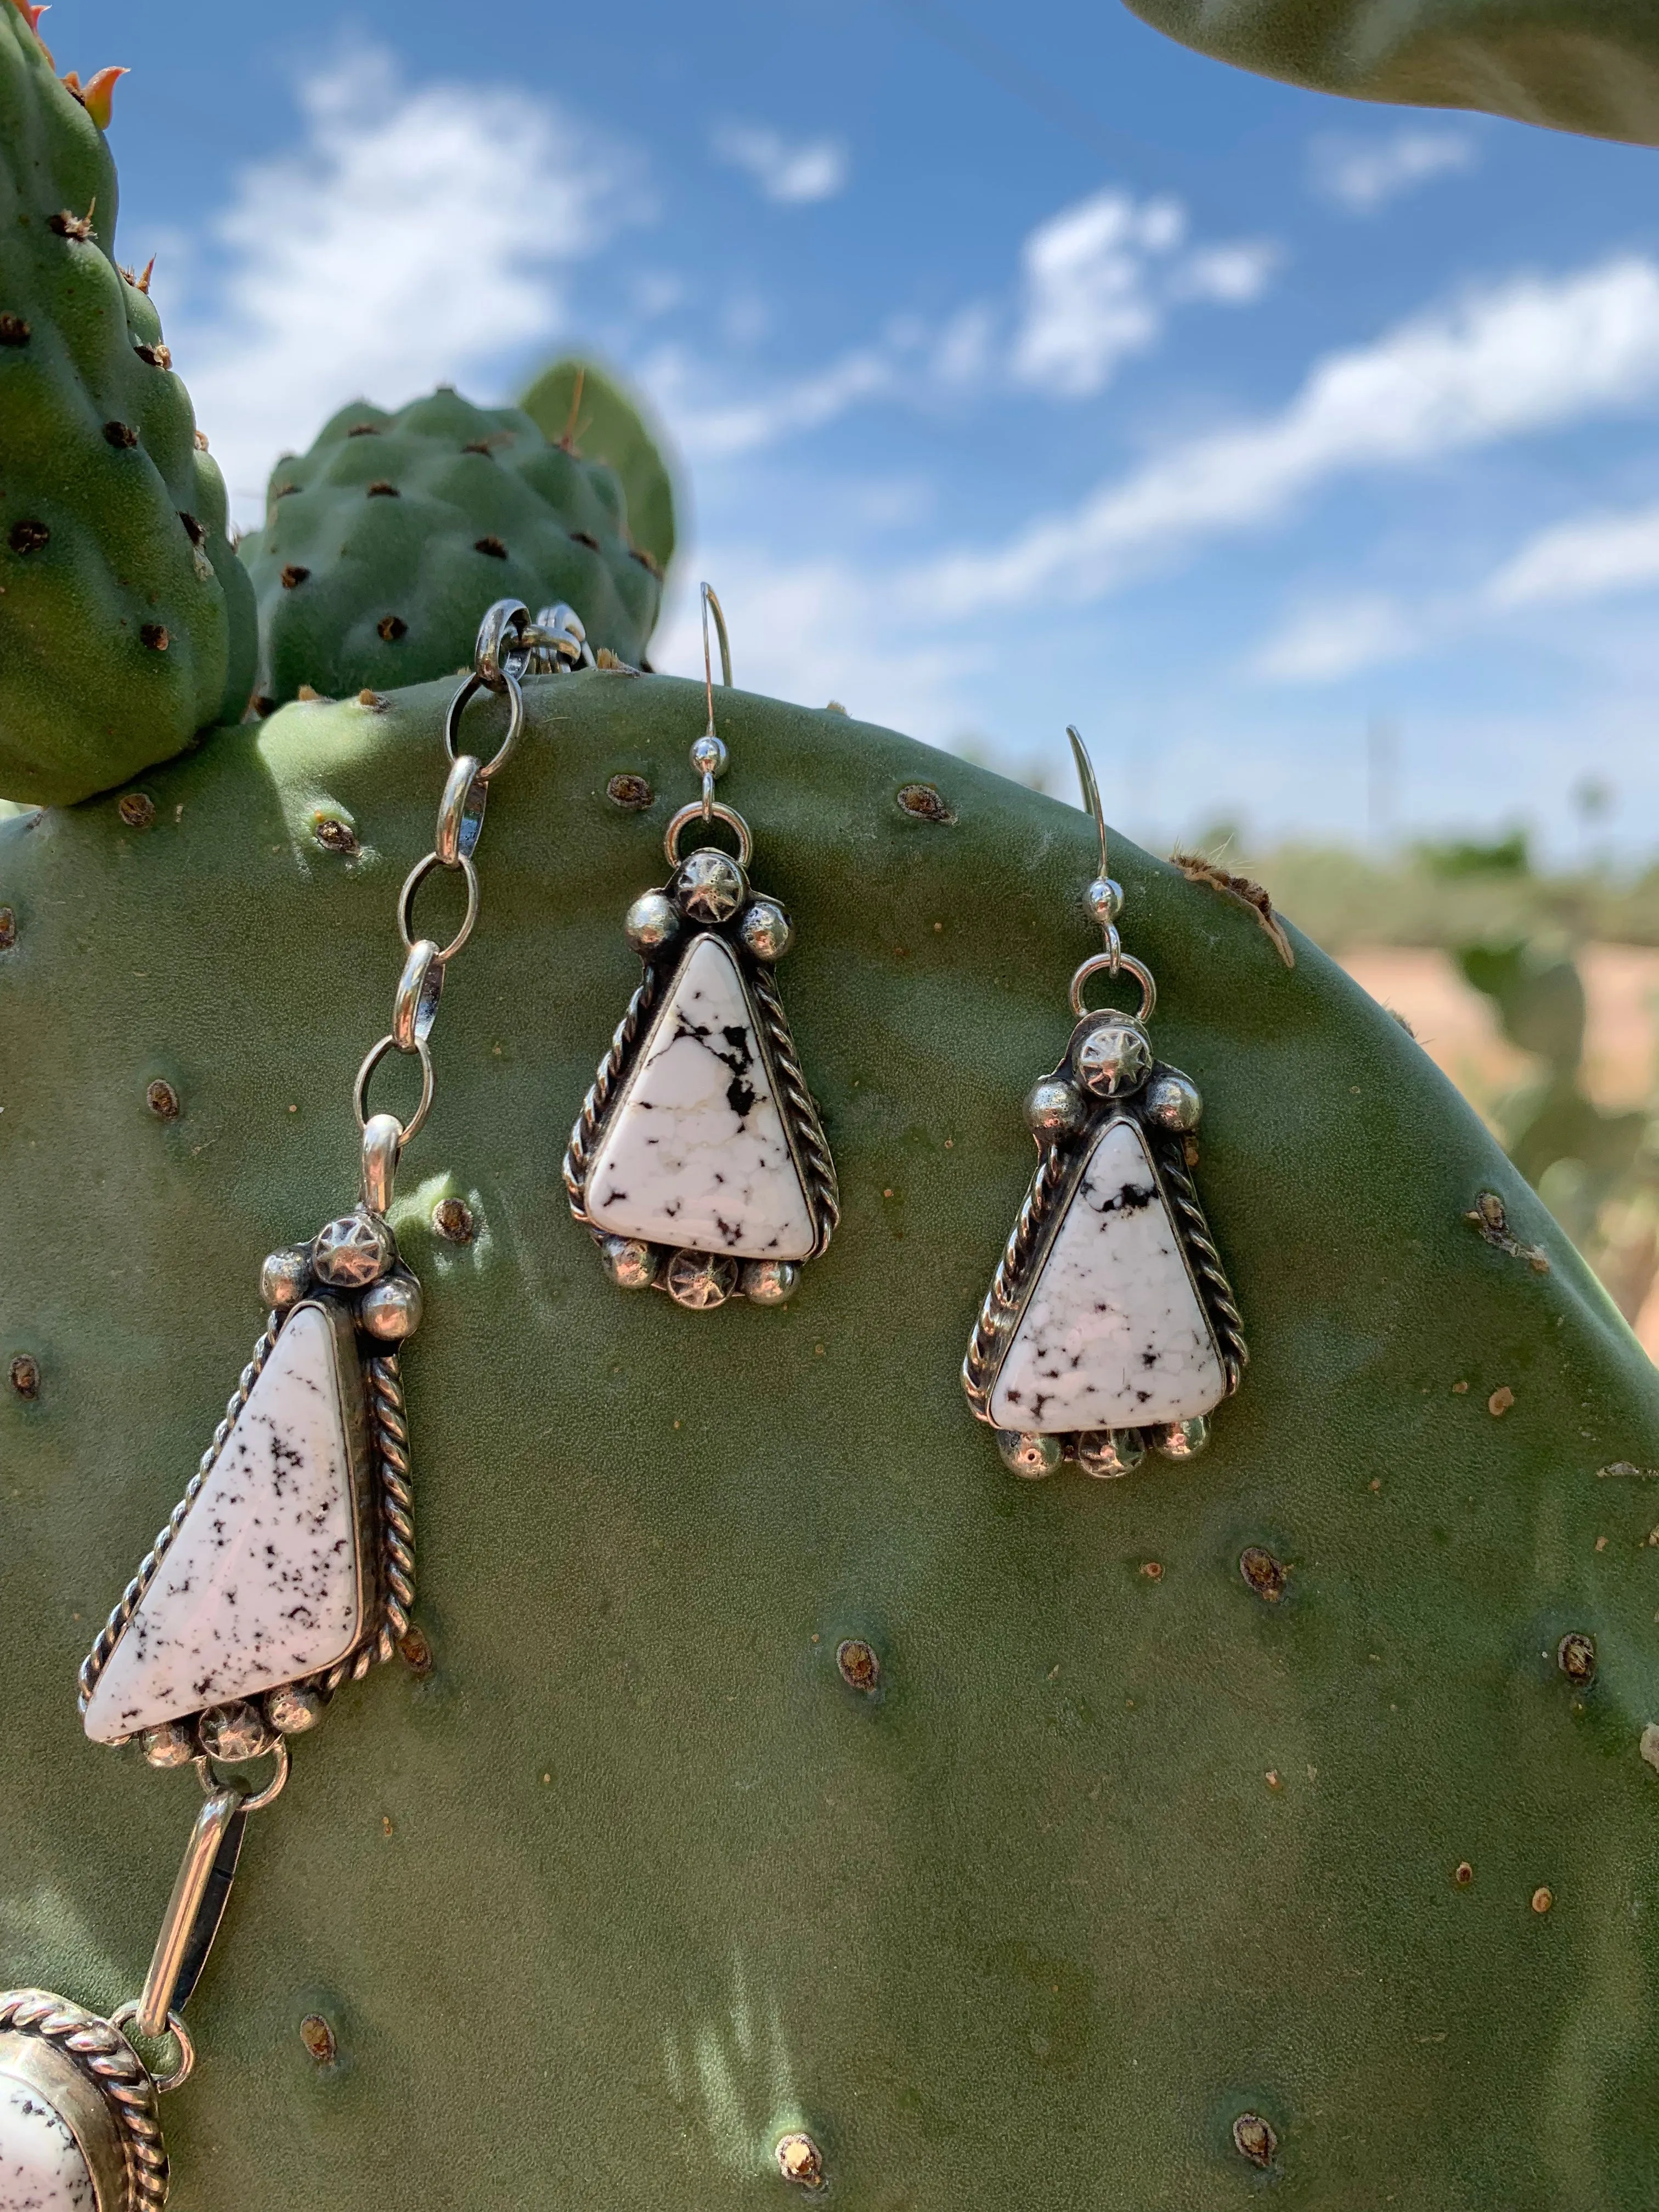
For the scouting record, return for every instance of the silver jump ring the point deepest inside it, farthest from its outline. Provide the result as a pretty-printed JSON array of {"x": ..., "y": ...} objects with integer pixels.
[
  {"x": 1108, "y": 963},
  {"x": 412, "y": 882},
  {"x": 698, "y": 811},
  {"x": 501, "y": 641},
  {"x": 212, "y": 1783},
  {"x": 476, "y": 683},
  {"x": 181, "y": 2073},
  {"x": 371, "y": 1060}
]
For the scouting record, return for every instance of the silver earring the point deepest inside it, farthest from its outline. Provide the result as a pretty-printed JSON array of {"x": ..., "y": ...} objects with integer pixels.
[
  {"x": 698, "y": 1161},
  {"x": 1109, "y": 1324}
]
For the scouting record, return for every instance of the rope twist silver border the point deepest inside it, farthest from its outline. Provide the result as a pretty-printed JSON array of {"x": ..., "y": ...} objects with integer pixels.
[
  {"x": 800, "y": 1111},
  {"x": 578, "y": 1152},
  {"x": 126, "y": 2083},
  {"x": 979, "y": 1367},
  {"x": 1194, "y": 1228},
  {"x": 1191, "y": 1226},
  {"x": 131, "y": 1598}
]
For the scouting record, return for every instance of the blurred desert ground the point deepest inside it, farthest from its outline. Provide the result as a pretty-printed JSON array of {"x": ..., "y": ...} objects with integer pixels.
[
  {"x": 1411, "y": 930},
  {"x": 1457, "y": 1025}
]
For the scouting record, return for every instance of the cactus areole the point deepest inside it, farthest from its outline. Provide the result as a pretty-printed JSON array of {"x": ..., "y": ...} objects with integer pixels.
[{"x": 772, "y": 1794}]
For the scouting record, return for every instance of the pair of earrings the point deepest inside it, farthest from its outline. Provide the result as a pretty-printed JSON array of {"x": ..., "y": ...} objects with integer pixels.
[{"x": 699, "y": 1164}]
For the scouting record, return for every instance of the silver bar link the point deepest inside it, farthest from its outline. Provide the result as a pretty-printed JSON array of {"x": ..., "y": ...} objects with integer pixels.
[
  {"x": 383, "y": 1140},
  {"x": 190, "y": 1893},
  {"x": 460, "y": 812}
]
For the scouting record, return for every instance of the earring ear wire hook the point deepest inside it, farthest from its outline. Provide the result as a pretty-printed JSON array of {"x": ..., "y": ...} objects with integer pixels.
[
  {"x": 711, "y": 603},
  {"x": 1103, "y": 898},
  {"x": 1085, "y": 776},
  {"x": 708, "y": 754}
]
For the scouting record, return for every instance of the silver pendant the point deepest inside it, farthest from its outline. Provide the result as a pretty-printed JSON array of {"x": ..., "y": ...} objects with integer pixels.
[
  {"x": 698, "y": 1161},
  {"x": 1110, "y": 1325},
  {"x": 287, "y": 1567}
]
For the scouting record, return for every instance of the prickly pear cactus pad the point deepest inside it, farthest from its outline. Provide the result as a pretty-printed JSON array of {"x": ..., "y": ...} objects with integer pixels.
[
  {"x": 382, "y": 544},
  {"x": 773, "y": 1767},
  {"x": 578, "y": 404},
  {"x": 1587, "y": 65},
  {"x": 126, "y": 624}
]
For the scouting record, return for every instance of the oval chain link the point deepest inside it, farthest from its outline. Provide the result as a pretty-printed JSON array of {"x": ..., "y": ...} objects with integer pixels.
[{"x": 497, "y": 662}]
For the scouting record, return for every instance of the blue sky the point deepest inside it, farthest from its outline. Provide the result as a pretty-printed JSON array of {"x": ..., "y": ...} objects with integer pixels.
[{"x": 1024, "y": 368}]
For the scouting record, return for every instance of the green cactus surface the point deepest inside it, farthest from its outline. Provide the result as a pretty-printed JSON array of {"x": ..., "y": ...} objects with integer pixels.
[
  {"x": 382, "y": 543},
  {"x": 127, "y": 623},
  {"x": 1242, "y": 1831},
  {"x": 1584, "y": 65},
  {"x": 577, "y": 401}
]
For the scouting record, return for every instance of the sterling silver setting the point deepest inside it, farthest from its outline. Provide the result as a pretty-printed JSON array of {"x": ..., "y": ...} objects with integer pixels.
[
  {"x": 684, "y": 1273},
  {"x": 331, "y": 1276},
  {"x": 1108, "y": 1075},
  {"x": 1064, "y": 1146},
  {"x": 708, "y": 896},
  {"x": 82, "y": 2067}
]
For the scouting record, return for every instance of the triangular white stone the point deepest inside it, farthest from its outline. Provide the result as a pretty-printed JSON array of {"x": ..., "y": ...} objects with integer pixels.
[
  {"x": 263, "y": 1583},
  {"x": 694, "y": 1152},
  {"x": 1113, "y": 1335}
]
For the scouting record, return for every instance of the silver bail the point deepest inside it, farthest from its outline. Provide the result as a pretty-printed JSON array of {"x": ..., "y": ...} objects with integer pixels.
[{"x": 383, "y": 1137}]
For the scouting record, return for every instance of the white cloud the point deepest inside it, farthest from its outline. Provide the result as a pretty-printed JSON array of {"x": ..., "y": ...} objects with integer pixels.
[
  {"x": 1586, "y": 558},
  {"x": 1364, "y": 174},
  {"x": 1097, "y": 280},
  {"x": 813, "y": 630},
  {"x": 794, "y": 172},
  {"x": 1091, "y": 295},
  {"x": 1086, "y": 298},
  {"x": 1511, "y": 360},
  {"x": 709, "y": 429},
  {"x": 963, "y": 349},
  {"x": 1590, "y": 556},
  {"x": 1231, "y": 276},
  {"x": 1337, "y": 638},
  {"x": 415, "y": 237}
]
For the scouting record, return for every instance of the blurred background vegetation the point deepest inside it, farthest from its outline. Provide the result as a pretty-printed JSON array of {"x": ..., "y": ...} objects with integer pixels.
[{"x": 1535, "y": 989}]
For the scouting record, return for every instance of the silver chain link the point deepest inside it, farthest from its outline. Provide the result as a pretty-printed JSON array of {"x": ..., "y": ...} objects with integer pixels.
[{"x": 509, "y": 643}]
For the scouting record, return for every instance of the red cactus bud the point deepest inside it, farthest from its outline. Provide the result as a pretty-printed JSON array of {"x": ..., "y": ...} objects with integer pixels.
[
  {"x": 99, "y": 93},
  {"x": 144, "y": 281},
  {"x": 31, "y": 15}
]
